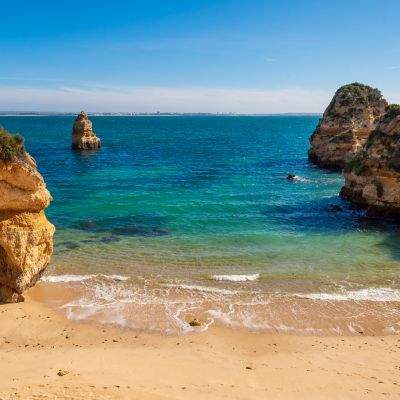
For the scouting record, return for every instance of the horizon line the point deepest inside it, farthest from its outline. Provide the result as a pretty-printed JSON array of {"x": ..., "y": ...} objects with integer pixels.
[{"x": 156, "y": 113}]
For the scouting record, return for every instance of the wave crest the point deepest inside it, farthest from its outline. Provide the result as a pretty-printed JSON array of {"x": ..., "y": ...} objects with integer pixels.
[{"x": 236, "y": 278}]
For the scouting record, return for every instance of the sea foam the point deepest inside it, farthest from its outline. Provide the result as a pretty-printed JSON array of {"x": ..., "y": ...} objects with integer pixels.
[
  {"x": 235, "y": 278},
  {"x": 373, "y": 294},
  {"x": 206, "y": 289},
  {"x": 80, "y": 278}
]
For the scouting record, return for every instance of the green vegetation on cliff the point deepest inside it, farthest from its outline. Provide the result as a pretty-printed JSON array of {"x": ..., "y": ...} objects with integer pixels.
[
  {"x": 355, "y": 87},
  {"x": 392, "y": 108},
  {"x": 387, "y": 141},
  {"x": 357, "y": 167},
  {"x": 353, "y": 165},
  {"x": 393, "y": 161},
  {"x": 374, "y": 136},
  {"x": 11, "y": 146},
  {"x": 363, "y": 94}
]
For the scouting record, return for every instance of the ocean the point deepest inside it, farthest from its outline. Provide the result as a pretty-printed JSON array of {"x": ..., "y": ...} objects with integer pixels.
[{"x": 185, "y": 217}]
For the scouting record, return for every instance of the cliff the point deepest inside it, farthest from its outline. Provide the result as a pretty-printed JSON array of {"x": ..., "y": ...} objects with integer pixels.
[
  {"x": 83, "y": 137},
  {"x": 26, "y": 236},
  {"x": 372, "y": 179},
  {"x": 346, "y": 124}
]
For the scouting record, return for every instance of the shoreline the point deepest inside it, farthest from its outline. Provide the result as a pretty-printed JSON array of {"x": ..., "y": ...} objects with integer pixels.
[
  {"x": 168, "y": 309},
  {"x": 105, "y": 362}
]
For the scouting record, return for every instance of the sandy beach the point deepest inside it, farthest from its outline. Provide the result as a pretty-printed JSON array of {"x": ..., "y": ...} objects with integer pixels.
[{"x": 38, "y": 344}]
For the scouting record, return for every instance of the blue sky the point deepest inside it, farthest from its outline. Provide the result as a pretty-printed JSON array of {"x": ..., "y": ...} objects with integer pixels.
[{"x": 210, "y": 55}]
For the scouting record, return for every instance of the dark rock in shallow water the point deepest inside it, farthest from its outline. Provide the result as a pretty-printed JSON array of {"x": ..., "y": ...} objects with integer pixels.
[
  {"x": 295, "y": 178},
  {"x": 88, "y": 241},
  {"x": 68, "y": 245},
  {"x": 335, "y": 208},
  {"x": 87, "y": 224},
  {"x": 128, "y": 231},
  {"x": 195, "y": 323},
  {"x": 161, "y": 231},
  {"x": 291, "y": 177},
  {"x": 132, "y": 225},
  {"x": 110, "y": 239}
]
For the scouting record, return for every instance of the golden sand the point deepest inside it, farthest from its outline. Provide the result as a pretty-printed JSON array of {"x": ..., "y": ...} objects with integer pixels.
[{"x": 45, "y": 356}]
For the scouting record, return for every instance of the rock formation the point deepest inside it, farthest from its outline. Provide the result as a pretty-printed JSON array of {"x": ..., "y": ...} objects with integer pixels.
[
  {"x": 26, "y": 236},
  {"x": 83, "y": 137},
  {"x": 346, "y": 124},
  {"x": 372, "y": 179}
]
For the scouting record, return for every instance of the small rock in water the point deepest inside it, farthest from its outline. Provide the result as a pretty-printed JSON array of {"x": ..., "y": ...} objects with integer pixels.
[
  {"x": 195, "y": 322},
  {"x": 62, "y": 372},
  {"x": 83, "y": 137},
  {"x": 161, "y": 231},
  {"x": 70, "y": 245},
  {"x": 291, "y": 177},
  {"x": 110, "y": 239},
  {"x": 88, "y": 224},
  {"x": 336, "y": 208},
  {"x": 127, "y": 231}
]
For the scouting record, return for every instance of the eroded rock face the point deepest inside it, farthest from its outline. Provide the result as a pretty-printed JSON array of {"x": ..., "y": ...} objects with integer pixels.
[
  {"x": 372, "y": 179},
  {"x": 83, "y": 137},
  {"x": 26, "y": 236},
  {"x": 352, "y": 115}
]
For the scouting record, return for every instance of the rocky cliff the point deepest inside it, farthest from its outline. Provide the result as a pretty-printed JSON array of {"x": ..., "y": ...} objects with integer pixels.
[
  {"x": 26, "y": 236},
  {"x": 83, "y": 137},
  {"x": 346, "y": 124},
  {"x": 372, "y": 179}
]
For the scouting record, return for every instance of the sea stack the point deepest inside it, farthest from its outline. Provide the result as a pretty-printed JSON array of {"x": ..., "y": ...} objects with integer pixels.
[
  {"x": 351, "y": 116},
  {"x": 372, "y": 179},
  {"x": 83, "y": 137},
  {"x": 26, "y": 236}
]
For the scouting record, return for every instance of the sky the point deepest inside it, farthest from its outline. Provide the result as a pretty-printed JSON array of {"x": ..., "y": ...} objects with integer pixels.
[{"x": 253, "y": 56}]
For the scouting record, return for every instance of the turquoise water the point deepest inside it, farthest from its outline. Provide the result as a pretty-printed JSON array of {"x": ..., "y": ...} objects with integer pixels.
[{"x": 181, "y": 199}]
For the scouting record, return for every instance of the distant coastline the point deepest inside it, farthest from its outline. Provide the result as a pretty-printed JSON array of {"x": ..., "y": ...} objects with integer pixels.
[
  {"x": 24, "y": 115},
  {"x": 157, "y": 114}
]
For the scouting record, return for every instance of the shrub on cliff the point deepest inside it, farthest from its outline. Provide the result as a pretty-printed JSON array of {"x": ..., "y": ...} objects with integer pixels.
[
  {"x": 356, "y": 87},
  {"x": 393, "y": 109},
  {"x": 11, "y": 146}
]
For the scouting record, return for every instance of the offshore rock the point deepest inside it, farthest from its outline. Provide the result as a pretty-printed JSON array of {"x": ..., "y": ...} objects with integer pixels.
[
  {"x": 26, "y": 236},
  {"x": 372, "y": 179},
  {"x": 351, "y": 116},
  {"x": 83, "y": 137}
]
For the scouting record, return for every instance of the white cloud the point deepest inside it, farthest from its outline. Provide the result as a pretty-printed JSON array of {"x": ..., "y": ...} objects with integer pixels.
[{"x": 150, "y": 99}]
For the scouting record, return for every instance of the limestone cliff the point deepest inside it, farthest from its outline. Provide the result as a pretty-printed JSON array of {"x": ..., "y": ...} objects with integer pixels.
[
  {"x": 26, "y": 236},
  {"x": 83, "y": 137},
  {"x": 372, "y": 179},
  {"x": 346, "y": 124}
]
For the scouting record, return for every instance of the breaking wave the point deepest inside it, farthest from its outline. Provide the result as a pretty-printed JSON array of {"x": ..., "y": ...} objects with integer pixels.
[
  {"x": 371, "y": 294},
  {"x": 235, "y": 278}
]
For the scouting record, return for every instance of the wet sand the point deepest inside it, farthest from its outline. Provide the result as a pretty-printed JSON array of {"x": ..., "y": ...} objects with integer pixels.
[
  {"x": 168, "y": 309},
  {"x": 102, "y": 362}
]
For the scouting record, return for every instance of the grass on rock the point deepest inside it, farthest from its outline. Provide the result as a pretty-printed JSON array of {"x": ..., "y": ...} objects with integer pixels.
[{"x": 11, "y": 146}]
